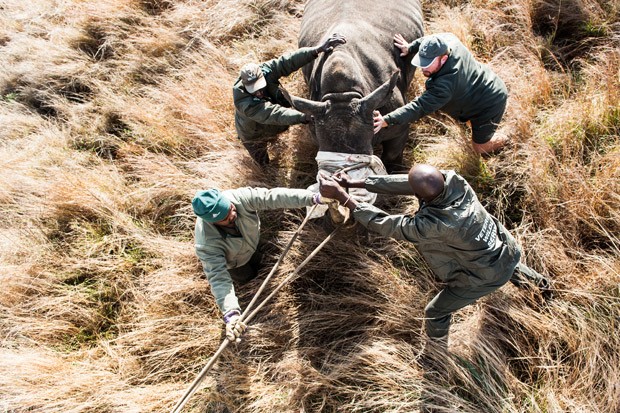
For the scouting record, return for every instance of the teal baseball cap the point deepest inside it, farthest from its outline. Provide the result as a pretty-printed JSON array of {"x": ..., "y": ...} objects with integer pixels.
[{"x": 210, "y": 205}]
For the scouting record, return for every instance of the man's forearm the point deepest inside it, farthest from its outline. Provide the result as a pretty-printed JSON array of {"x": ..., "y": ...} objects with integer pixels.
[
  {"x": 360, "y": 183},
  {"x": 345, "y": 199}
]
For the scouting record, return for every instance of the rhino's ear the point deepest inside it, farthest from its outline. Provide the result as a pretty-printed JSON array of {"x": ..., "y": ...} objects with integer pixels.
[
  {"x": 305, "y": 105},
  {"x": 380, "y": 95}
]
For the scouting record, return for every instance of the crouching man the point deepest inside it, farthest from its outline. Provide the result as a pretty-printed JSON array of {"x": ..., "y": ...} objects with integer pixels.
[
  {"x": 227, "y": 235},
  {"x": 466, "y": 247}
]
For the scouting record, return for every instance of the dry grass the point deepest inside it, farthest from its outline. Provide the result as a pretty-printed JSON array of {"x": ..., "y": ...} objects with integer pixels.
[{"x": 112, "y": 113}]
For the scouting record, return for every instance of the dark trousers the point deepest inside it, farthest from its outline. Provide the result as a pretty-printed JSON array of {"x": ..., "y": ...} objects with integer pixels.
[
  {"x": 483, "y": 131},
  {"x": 258, "y": 151},
  {"x": 438, "y": 313},
  {"x": 257, "y": 148},
  {"x": 248, "y": 271}
]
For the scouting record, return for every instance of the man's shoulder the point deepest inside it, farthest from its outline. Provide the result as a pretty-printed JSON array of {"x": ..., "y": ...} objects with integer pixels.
[
  {"x": 236, "y": 193},
  {"x": 205, "y": 231},
  {"x": 450, "y": 174},
  {"x": 243, "y": 99},
  {"x": 444, "y": 81},
  {"x": 455, "y": 189},
  {"x": 239, "y": 91},
  {"x": 455, "y": 182},
  {"x": 245, "y": 194}
]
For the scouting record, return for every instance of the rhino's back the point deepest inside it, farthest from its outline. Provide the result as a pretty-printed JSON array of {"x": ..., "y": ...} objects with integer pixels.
[
  {"x": 369, "y": 27},
  {"x": 361, "y": 21}
]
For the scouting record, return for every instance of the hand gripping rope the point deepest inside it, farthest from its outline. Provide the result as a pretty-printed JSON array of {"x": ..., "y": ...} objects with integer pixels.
[{"x": 245, "y": 317}]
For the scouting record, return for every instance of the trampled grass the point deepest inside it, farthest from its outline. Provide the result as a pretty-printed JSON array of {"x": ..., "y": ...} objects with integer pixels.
[{"x": 113, "y": 113}]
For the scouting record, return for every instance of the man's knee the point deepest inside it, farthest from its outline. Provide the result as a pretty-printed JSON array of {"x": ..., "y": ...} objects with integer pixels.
[{"x": 258, "y": 151}]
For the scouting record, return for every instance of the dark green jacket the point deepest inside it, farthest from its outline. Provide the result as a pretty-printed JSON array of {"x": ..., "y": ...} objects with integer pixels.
[
  {"x": 463, "y": 88},
  {"x": 461, "y": 242},
  {"x": 219, "y": 251},
  {"x": 252, "y": 112}
]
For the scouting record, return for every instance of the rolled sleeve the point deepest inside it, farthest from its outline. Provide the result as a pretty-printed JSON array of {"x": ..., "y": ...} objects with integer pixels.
[
  {"x": 395, "y": 226},
  {"x": 267, "y": 113},
  {"x": 397, "y": 184},
  {"x": 290, "y": 62}
]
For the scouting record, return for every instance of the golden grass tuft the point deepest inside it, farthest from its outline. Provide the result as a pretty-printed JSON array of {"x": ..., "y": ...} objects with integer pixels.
[{"x": 113, "y": 113}]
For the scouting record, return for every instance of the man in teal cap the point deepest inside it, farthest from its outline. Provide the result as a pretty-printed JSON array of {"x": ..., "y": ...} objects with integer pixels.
[
  {"x": 457, "y": 84},
  {"x": 227, "y": 235}
]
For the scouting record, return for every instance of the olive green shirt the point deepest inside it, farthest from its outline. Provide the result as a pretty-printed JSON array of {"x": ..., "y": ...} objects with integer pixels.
[
  {"x": 461, "y": 242},
  {"x": 463, "y": 88},
  {"x": 273, "y": 109}
]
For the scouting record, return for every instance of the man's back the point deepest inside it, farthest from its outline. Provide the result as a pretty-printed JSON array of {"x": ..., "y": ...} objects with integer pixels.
[
  {"x": 461, "y": 242},
  {"x": 474, "y": 88}
]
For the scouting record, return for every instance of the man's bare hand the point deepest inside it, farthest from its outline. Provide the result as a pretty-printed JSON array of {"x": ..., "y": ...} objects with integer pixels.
[
  {"x": 330, "y": 188},
  {"x": 377, "y": 121},
  {"x": 402, "y": 44}
]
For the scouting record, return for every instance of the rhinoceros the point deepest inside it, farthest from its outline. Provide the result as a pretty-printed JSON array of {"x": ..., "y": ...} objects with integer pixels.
[{"x": 358, "y": 77}]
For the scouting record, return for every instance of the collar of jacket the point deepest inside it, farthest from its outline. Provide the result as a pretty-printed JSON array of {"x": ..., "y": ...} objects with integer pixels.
[{"x": 453, "y": 190}]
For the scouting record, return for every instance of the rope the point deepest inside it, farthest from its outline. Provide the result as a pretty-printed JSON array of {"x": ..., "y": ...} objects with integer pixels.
[
  {"x": 293, "y": 275},
  {"x": 277, "y": 264},
  {"x": 352, "y": 167},
  {"x": 245, "y": 317},
  {"x": 335, "y": 211}
]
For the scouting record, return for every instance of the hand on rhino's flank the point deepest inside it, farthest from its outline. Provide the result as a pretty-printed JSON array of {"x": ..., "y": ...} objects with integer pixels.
[
  {"x": 377, "y": 121},
  {"x": 402, "y": 44}
]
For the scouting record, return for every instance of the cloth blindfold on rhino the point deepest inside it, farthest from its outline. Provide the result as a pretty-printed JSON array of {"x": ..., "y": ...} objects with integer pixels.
[{"x": 359, "y": 166}]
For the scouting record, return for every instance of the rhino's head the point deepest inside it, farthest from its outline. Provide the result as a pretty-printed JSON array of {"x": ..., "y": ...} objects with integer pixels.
[{"x": 343, "y": 121}]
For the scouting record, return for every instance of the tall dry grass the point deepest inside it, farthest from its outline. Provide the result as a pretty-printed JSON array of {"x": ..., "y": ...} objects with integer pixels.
[{"x": 112, "y": 113}]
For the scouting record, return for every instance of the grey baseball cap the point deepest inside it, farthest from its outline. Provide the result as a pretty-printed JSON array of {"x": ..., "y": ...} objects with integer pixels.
[
  {"x": 430, "y": 48},
  {"x": 252, "y": 77}
]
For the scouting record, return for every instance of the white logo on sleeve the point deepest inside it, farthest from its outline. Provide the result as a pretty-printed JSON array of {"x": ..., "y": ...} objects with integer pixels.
[
  {"x": 488, "y": 234},
  {"x": 214, "y": 214}
]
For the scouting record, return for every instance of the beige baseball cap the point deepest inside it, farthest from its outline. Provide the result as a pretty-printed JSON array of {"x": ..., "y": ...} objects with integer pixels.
[{"x": 252, "y": 77}]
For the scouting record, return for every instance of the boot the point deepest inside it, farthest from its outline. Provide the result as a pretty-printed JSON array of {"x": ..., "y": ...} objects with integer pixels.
[{"x": 526, "y": 278}]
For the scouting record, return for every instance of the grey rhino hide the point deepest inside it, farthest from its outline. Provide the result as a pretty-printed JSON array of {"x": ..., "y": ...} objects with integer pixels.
[{"x": 342, "y": 82}]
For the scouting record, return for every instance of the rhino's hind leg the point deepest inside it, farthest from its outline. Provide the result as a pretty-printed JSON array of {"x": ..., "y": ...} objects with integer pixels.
[{"x": 392, "y": 155}]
